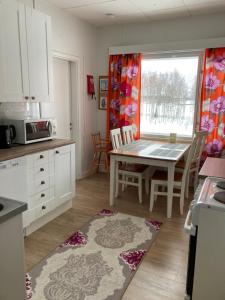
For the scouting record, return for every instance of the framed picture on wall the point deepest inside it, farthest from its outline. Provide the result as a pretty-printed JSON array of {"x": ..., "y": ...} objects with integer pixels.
[
  {"x": 103, "y": 84},
  {"x": 103, "y": 102},
  {"x": 103, "y": 92}
]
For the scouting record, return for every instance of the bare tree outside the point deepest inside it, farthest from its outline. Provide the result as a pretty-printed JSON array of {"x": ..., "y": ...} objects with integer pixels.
[{"x": 168, "y": 96}]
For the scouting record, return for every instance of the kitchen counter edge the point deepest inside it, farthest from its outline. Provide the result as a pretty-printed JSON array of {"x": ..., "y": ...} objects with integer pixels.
[{"x": 22, "y": 150}]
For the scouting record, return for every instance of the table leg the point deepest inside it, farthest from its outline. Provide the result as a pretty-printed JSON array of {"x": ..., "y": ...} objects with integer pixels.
[
  {"x": 171, "y": 169},
  {"x": 112, "y": 179}
]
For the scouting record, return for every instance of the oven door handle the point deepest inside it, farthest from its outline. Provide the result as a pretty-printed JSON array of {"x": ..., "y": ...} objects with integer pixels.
[{"x": 188, "y": 227}]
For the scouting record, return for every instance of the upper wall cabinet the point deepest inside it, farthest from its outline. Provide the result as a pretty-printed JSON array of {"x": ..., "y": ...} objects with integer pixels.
[
  {"x": 25, "y": 54},
  {"x": 14, "y": 81},
  {"x": 39, "y": 55}
]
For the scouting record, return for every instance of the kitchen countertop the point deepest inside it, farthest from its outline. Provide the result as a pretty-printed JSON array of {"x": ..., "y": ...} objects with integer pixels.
[
  {"x": 213, "y": 167},
  {"x": 11, "y": 208},
  {"x": 21, "y": 150}
]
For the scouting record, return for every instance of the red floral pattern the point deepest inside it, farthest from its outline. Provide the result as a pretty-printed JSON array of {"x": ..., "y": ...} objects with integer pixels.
[
  {"x": 213, "y": 101},
  {"x": 132, "y": 258},
  {"x": 124, "y": 92},
  {"x": 77, "y": 239},
  {"x": 155, "y": 224},
  {"x": 28, "y": 286},
  {"x": 106, "y": 212}
]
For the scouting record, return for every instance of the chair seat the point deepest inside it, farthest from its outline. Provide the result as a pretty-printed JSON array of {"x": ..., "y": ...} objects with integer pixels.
[
  {"x": 181, "y": 164},
  {"x": 162, "y": 175},
  {"x": 137, "y": 168}
]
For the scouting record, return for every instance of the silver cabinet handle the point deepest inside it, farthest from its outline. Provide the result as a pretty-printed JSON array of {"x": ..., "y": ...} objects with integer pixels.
[{"x": 188, "y": 227}]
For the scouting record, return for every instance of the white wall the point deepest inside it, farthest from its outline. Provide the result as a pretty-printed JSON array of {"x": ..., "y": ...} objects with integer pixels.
[
  {"x": 192, "y": 28},
  {"x": 74, "y": 37}
]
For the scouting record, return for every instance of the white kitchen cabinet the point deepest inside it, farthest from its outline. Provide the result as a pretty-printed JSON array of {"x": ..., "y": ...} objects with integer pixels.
[
  {"x": 63, "y": 174},
  {"x": 14, "y": 81},
  {"x": 51, "y": 181},
  {"x": 25, "y": 54},
  {"x": 39, "y": 55}
]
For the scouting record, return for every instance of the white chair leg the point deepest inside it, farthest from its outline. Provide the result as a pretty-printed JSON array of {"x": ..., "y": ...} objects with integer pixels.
[
  {"x": 187, "y": 185},
  {"x": 123, "y": 184},
  {"x": 156, "y": 190},
  {"x": 182, "y": 200},
  {"x": 117, "y": 182},
  {"x": 140, "y": 188},
  {"x": 152, "y": 196}
]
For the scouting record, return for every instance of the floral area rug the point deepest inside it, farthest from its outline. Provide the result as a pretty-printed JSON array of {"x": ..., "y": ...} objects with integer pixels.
[{"x": 96, "y": 262}]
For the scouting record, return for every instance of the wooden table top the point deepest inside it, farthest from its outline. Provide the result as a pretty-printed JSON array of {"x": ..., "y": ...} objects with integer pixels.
[
  {"x": 213, "y": 167},
  {"x": 21, "y": 150},
  {"x": 153, "y": 150}
]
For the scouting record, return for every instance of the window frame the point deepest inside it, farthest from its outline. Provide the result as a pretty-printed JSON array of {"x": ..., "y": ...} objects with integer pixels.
[{"x": 180, "y": 54}]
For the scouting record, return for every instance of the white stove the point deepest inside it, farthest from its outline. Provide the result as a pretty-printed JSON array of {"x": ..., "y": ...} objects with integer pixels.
[{"x": 205, "y": 223}]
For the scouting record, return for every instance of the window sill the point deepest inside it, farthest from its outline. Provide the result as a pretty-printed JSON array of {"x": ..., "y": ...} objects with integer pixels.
[{"x": 165, "y": 138}]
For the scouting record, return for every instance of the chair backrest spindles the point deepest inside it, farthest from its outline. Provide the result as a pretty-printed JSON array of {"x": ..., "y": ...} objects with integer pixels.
[
  {"x": 128, "y": 134},
  {"x": 116, "y": 138},
  {"x": 200, "y": 143}
]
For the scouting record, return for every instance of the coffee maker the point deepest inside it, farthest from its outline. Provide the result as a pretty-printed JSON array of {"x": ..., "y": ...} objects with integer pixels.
[{"x": 7, "y": 135}]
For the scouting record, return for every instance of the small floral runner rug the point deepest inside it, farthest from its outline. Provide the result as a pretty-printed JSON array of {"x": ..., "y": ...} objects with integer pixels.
[{"x": 96, "y": 262}]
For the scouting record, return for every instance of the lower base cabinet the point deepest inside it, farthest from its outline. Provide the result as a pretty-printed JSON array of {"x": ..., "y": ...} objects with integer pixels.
[{"x": 51, "y": 180}]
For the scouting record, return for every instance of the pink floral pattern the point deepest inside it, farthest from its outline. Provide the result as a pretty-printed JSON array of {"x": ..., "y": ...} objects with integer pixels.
[
  {"x": 207, "y": 123},
  {"x": 77, "y": 239},
  {"x": 213, "y": 102},
  {"x": 106, "y": 212},
  {"x": 155, "y": 224},
  {"x": 124, "y": 92},
  {"x": 211, "y": 81},
  {"x": 131, "y": 109},
  {"x": 132, "y": 258},
  {"x": 219, "y": 62},
  {"x": 214, "y": 147},
  {"x": 28, "y": 287},
  {"x": 217, "y": 106}
]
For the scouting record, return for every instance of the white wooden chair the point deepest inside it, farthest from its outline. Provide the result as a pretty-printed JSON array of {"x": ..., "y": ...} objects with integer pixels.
[
  {"x": 196, "y": 159},
  {"x": 128, "y": 134},
  {"x": 159, "y": 178},
  {"x": 127, "y": 174},
  {"x": 128, "y": 138}
]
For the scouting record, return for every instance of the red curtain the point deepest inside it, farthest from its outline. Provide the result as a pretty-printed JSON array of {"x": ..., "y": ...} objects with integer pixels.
[
  {"x": 213, "y": 101},
  {"x": 124, "y": 92}
]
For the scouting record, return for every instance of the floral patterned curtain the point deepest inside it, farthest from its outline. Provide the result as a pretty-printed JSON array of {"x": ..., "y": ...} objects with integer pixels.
[
  {"x": 213, "y": 101},
  {"x": 124, "y": 92}
]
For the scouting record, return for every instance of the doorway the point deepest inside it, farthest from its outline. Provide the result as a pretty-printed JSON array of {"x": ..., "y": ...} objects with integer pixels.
[
  {"x": 62, "y": 97},
  {"x": 67, "y": 106}
]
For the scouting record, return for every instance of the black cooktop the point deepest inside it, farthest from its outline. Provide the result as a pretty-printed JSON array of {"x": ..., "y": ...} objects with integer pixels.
[{"x": 221, "y": 184}]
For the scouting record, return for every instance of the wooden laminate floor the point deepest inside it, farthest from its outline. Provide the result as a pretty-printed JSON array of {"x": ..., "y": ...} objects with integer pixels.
[{"x": 162, "y": 273}]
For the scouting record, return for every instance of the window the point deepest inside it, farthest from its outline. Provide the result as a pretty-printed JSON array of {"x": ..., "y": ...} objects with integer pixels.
[{"x": 168, "y": 97}]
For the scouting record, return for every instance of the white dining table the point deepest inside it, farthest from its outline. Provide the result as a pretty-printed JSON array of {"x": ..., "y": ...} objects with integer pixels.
[{"x": 151, "y": 153}]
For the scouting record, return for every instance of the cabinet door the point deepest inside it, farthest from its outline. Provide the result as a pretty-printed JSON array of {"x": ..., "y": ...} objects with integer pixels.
[
  {"x": 39, "y": 55},
  {"x": 14, "y": 83},
  {"x": 63, "y": 174}
]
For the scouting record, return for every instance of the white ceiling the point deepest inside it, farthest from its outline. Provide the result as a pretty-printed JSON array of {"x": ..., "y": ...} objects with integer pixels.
[{"x": 133, "y": 11}]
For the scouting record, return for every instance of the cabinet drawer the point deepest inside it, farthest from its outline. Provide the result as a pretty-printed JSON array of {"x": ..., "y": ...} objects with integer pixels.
[
  {"x": 41, "y": 171},
  {"x": 40, "y": 158},
  {"x": 39, "y": 185},
  {"x": 41, "y": 197},
  {"x": 63, "y": 149},
  {"x": 43, "y": 209}
]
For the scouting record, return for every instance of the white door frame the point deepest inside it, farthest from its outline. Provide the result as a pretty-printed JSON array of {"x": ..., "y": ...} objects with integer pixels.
[{"x": 76, "y": 106}]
